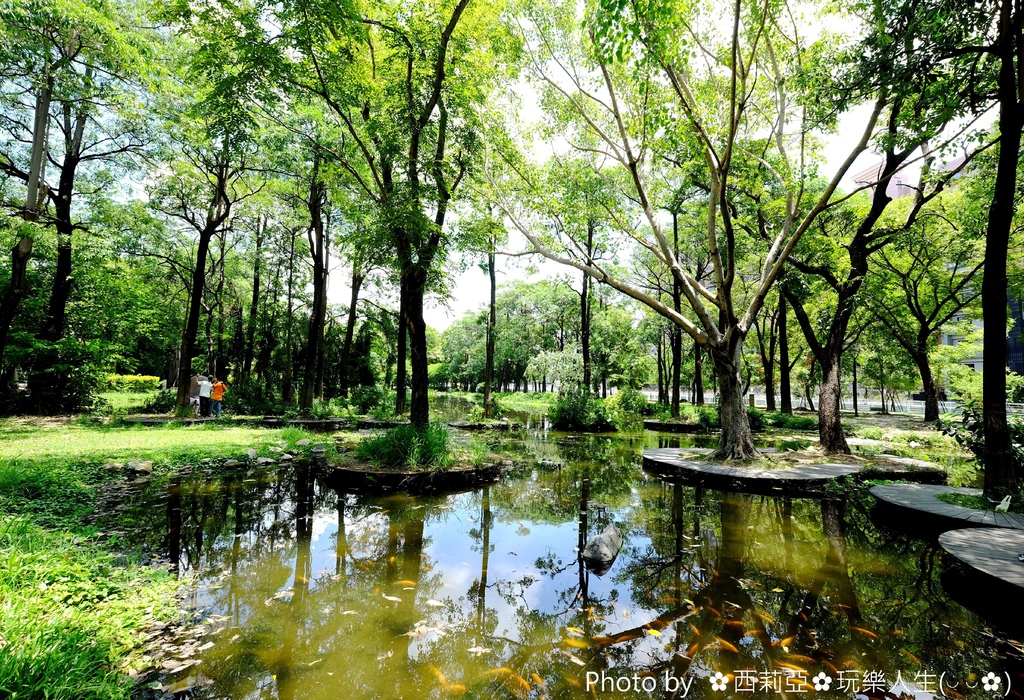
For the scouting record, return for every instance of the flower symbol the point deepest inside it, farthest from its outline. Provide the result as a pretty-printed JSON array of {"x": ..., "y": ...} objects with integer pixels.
[
  {"x": 821, "y": 681},
  {"x": 719, "y": 681},
  {"x": 991, "y": 681}
]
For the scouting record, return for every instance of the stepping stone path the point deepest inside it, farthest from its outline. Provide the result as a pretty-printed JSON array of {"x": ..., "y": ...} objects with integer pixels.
[
  {"x": 686, "y": 465},
  {"x": 922, "y": 499},
  {"x": 991, "y": 551},
  {"x": 671, "y": 461}
]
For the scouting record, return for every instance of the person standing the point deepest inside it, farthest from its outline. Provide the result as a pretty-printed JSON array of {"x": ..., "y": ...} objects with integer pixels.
[
  {"x": 217, "y": 396},
  {"x": 193, "y": 393},
  {"x": 205, "y": 387}
]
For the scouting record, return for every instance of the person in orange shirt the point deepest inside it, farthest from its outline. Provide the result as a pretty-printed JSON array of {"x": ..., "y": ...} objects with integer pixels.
[{"x": 217, "y": 396}]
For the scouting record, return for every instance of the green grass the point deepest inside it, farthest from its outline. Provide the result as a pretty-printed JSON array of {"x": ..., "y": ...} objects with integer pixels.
[
  {"x": 408, "y": 446},
  {"x": 527, "y": 401},
  {"x": 71, "y": 608},
  {"x": 124, "y": 402},
  {"x": 976, "y": 502},
  {"x": 72, "y": 614},
  {"x": 930, "y": 445},
  {"x": 50, "y": 469}
]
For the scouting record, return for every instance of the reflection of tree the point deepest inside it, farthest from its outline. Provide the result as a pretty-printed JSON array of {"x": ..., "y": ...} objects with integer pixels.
[{"x": 727, "y": 583}]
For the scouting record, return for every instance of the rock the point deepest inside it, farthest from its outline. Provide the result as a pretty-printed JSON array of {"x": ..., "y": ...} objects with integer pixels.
[
  {"x": 264, "y": 461},
  {"x": 232, "y": 463},
  {"x": 286, "y": 457},
  {"x": 144, "y": 466},
  {"x": 914, "y": 443},
  {"x": 318, "y": 449},
  {"x": 600, "y": 552},
  {"x": 303, "y": 442},
  {"x": 251, "y": 453},
  {"x": 282, "y": 443},
  {"x": 112, "y": 466},
  {"x": 275, "y": 449}
]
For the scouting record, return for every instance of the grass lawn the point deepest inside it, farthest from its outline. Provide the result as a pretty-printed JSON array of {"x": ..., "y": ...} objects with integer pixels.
[
  {"x": 72, "y": 607},
  {"x": 125, "y": 401}
]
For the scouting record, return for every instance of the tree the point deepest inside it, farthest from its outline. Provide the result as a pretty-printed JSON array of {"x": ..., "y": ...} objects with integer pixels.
[
  {"x": 627, "y": 75},
  {"x": 83, "y": 61},
  {"x": 924, "y": 279},
  {"x": 407, "y": 89}
]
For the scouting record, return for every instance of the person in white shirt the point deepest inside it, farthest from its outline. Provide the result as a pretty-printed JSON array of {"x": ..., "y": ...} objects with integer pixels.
[{"x": 205, "y": 387}]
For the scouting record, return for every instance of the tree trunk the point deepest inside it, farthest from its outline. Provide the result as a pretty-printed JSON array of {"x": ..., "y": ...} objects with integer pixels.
[
  {"x": 401, "y": 404},
  {"x": 288, "y": 388},
  {"x": 736, "y": 440},
  {"x": 250, "y": 335},
  {"x": 317, "y": 314},
  {"x": 1001, "y": 473},
  {"x": 698, "y": 375},
  {"x": 56, "y": 312},
  {"x": 350, "y": 327},
  {"x": 931, "y": 390},
  {"x": 20, "y": 253},
  {"x": 188, "y": 337},
  {"x": 856, "y": 412},
  {"x": 677, "y": 332},
  {"x": 491, "y": 321},
  {"x": 585, "y": 332},
  {"x": 660, "y": 361},
  {"x": 830, "y": 429},
  {"x": 16, "y": 291},
  {"x": 784, "y": 366},
  {"x": 413, "y": 285}
]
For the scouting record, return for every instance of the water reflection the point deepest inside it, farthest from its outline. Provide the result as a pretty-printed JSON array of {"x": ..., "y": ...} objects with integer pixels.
[{"x": 319, "y": 593}]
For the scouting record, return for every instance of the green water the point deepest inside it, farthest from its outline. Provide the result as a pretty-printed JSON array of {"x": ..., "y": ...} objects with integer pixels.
[{"x": 316, "y": 593}]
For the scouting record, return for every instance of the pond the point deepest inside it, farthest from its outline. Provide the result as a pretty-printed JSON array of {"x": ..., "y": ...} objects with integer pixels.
[{"x": 316, "y": 593}]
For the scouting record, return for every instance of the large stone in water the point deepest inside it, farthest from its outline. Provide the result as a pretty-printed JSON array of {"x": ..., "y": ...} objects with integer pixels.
[{"x": 600, "y": 552}]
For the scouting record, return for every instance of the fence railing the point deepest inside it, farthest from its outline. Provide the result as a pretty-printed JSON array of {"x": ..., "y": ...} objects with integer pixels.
[{"x": 863, "y": 405}]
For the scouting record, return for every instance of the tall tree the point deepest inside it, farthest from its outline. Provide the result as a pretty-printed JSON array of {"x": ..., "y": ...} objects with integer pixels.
[
  {"x": 406, "y": 85},
  {"x": 84, "y": 62},
  {"x": 624, "y": 78},
  {"x": 924, "y": 279}
]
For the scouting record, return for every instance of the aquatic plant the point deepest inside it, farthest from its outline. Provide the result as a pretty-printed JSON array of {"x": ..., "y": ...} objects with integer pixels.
[{"x": 409, "y": 446}]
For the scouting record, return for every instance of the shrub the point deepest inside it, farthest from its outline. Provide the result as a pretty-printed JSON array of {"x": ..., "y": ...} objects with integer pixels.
[
  {"x": 161, "y": 402},
  {"x": 366, "y": 398},
  {"x": 970, "y": 433},
  {"x": 632, "y": 401},
  {"x": 755, "y": 418},
  {"x": 578, "y": 410},
  {"x": 707, "y": 417},
  {"x": 252, "y": 398},
  {"x": 497, "y": 411},
  {"x": 134, "y": 383},
  {"x": 64, "y": 377},
  {"x": 788, "y": 422},
  {"x": 322, "y": 410},
  {"x": 408, "y": 446}
]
